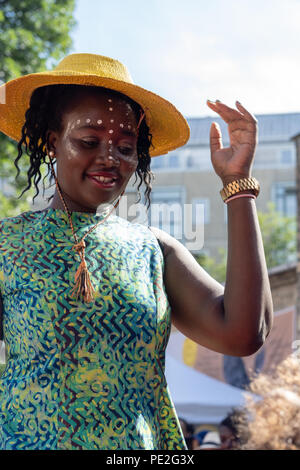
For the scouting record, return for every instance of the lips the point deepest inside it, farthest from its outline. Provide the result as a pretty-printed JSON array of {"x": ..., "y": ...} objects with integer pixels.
[
  {"x": 103, "y": 176},
  {"x": 103, "y": 180}
]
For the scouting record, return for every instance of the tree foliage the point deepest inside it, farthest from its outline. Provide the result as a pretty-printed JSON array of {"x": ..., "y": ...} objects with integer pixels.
[
  {"x": 34, "y": 35},
  {"x": 11, "y": 207},
  {"x": 216, "y": 267},
  {"x": 279, "y": 235}
]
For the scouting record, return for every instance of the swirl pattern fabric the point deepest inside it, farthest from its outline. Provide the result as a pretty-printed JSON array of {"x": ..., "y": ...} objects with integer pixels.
[{"x": 78, "y": 375}]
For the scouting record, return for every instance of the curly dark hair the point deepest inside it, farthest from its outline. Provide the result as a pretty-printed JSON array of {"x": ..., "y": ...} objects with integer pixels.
[
  {"x": 46, "y": 108},
  {"x": 273, "y": 419},
  {"x": 233, "y": 421}
]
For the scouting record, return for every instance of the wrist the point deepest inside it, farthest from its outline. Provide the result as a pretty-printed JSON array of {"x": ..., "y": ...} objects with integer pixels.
[
  {"x": 230, "y": 178},
  {"x": 239, "y": 185}
]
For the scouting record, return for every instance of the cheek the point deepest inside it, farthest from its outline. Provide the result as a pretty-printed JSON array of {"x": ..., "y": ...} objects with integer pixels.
[
  {"x": 72, "y": 152},
  {"x": 70, "y": 164},
  {"x": 132, "y": 164}
]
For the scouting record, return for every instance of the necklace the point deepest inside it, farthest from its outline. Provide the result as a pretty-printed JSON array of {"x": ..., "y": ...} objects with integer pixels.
[{"x": 83, "y": 287}]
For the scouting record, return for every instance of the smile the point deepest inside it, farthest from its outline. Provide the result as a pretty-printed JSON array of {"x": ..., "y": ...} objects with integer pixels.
[
  {"x": 103, "y": 182},
  {"x": 104, "y": 179}
]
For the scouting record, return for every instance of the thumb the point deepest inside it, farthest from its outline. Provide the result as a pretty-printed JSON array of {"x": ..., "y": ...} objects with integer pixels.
[{"x": 215, "y": 137}]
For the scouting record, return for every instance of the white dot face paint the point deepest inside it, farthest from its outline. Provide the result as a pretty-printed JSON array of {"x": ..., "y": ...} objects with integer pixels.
[{"x": 104, "y": 127}]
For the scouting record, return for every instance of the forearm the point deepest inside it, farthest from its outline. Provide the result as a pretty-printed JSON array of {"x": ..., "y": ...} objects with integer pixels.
[{"x": 248, "y": 306}]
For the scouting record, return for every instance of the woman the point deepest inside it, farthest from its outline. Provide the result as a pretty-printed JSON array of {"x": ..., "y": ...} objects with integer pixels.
[{"x": 87, "y": 297}]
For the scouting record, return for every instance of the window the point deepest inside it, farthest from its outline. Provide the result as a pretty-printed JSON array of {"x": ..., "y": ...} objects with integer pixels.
[
  {"x": 266, "y": 157},
  {"x": 287, "y": 157},
  {"x": 197, "y": 158},
  {"x": 190, "y": 161},
  {"x": 285, "y": 198},
  {"x": 157, "y": 162},
  {"x": 271, "y": 156}
]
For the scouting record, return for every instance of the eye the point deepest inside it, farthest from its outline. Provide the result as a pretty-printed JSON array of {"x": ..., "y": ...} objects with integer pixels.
[
  {"x": 89, "y": 143},
  {"x": 125, "y": 150}
]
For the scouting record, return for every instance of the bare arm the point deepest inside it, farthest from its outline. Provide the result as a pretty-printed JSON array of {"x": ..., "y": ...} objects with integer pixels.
[{"x": 235, "y": 320}]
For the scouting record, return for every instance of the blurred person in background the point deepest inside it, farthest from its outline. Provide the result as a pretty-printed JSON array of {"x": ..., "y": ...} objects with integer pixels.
[
  {"x": 211, "y": 441},
  {"x": 187, "y": 430},
  {"x": 232, "y": 434},
  {"x": 273, "y": 421},
  {"x": 198, "y": 438}
]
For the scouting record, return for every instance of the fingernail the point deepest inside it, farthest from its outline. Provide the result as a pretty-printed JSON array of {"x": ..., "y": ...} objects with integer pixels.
[
  {"x": 238, "y": 102},
  {"x": 218, "y": 101},
  {"x": 210, "y": 101}
]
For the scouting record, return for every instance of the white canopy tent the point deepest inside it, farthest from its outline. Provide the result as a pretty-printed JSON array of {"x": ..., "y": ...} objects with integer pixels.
[{"x": 197, "y": 397}]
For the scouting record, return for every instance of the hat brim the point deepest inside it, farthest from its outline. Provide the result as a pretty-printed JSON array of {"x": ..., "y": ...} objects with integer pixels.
[{"x": 168, "y": 127}]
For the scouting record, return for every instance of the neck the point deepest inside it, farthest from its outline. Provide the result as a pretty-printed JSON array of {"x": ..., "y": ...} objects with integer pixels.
[{"x": 73, "y": 206}]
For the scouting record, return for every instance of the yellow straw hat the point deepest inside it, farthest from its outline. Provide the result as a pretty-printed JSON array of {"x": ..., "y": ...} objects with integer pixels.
[{"x": 168, "y": 127}]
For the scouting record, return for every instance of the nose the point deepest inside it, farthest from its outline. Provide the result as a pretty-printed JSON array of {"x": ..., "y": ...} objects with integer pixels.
[{"x": 107, "y": 153}]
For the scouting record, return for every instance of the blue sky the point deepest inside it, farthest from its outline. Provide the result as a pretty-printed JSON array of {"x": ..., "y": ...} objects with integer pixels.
[{"x": 192, "y": 50}]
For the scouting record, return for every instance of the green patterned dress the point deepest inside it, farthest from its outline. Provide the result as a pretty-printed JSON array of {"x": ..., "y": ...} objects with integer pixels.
[{"x": 78, "y": 375}]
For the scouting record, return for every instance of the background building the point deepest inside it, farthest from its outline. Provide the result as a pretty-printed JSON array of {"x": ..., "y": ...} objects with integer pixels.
[{"x": 186, "y": 175}]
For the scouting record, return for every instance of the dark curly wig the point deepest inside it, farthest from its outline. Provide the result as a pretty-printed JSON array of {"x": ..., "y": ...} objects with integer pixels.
[{"x": 47, "y": 105}]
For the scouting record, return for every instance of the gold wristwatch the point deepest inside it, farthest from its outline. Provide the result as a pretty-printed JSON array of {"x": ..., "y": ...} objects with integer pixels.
[{"x": 237, "y": 186}]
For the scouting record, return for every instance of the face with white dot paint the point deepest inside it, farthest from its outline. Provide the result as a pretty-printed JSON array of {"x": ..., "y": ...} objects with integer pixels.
[{"x": 98, "y": 135}]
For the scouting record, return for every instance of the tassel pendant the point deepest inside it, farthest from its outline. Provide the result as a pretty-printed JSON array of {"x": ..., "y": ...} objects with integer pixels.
[{"x": 83, "y": 286}]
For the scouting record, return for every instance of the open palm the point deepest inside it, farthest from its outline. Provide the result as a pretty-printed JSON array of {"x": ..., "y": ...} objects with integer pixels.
[{"x": 235, "y": 161}]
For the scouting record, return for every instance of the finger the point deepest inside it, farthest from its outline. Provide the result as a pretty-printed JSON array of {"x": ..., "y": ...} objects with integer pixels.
[
  {"x": 215, "y": 137},
  {"x": 225, "y": 112},
  {"x": 245, "y": 112}
]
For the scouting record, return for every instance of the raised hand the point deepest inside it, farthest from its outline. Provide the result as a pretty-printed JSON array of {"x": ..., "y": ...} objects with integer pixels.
[{"x": 233, "y": 162}]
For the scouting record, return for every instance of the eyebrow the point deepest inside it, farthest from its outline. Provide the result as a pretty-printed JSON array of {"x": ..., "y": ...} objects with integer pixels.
[{"x": 100, "y": 126}]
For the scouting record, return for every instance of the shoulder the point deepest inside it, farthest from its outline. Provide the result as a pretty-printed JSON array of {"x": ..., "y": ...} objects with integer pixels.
[{"x": 166, "y": 241}]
